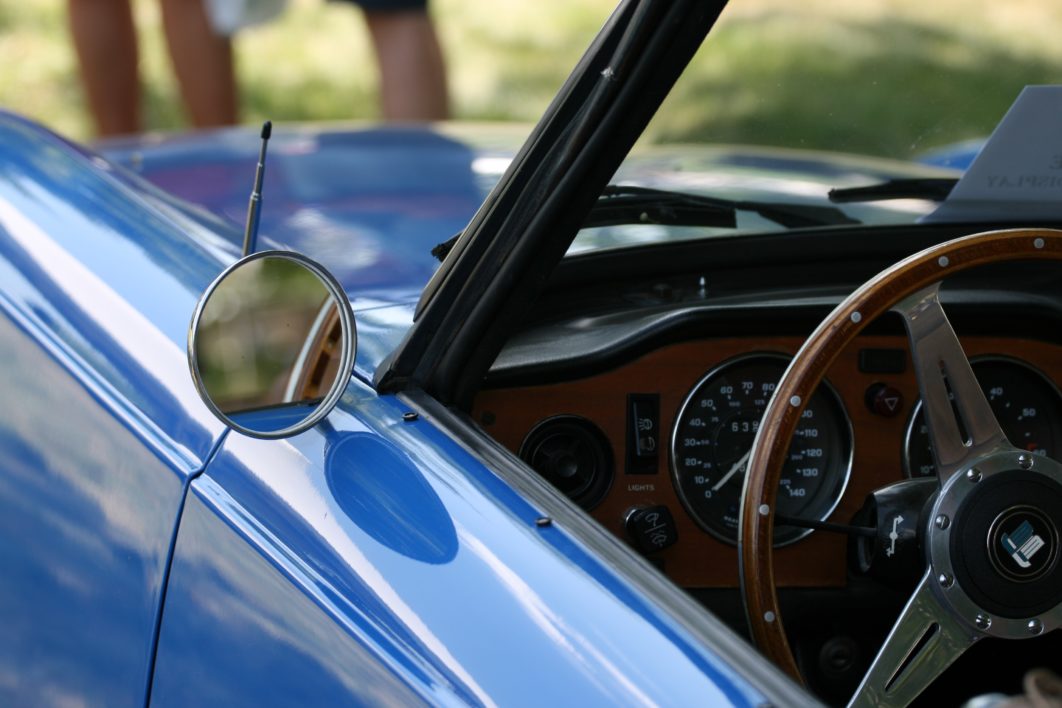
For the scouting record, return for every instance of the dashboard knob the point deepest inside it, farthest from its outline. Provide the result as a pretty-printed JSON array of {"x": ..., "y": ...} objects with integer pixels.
[{"x": 651, "y": 528}]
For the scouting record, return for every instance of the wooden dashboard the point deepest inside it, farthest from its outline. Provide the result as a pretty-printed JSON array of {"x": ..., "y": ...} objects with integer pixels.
[{"x": 698, "y": 559}]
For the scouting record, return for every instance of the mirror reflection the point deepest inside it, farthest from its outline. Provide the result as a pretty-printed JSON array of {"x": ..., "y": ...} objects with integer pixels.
[{"x": 269, "y": 343}]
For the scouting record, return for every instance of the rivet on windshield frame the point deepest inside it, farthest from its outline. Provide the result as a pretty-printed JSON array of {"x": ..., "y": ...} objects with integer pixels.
[
  {"x": 856, "y": 317},
  {"x": 410, "y": 416},
  {"x": 1035, "y": 626},
  {"x": 769, "y": 616},
  {"x": 543, "y": 521},
  {"x": 1025, "y": 461},
  {"x": 943, "y": 261},
  {"x": 764, "y": 510},
  {"x": 1038, "y": 243},
  {"x": 983, "y": 621},
  {"x": 945, "y": 580},
  {"x": 794, "y": 401},
  {"x": 973, "y": 475}
]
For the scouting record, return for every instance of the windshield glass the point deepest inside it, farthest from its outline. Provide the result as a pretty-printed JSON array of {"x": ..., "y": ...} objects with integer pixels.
[{"x": 786, "y": 101}]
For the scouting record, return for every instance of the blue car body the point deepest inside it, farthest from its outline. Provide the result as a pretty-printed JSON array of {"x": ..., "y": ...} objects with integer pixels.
[{"x": 149, "y": 556}]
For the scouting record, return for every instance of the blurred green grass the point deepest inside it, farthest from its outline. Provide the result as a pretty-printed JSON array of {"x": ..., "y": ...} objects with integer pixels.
[
  {"x": 774, "y": 72},
  {"x": 880, "y": 77}
]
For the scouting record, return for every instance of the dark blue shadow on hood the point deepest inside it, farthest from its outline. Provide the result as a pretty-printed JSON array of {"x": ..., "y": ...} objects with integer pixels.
[{"x": 384, "y": 494}]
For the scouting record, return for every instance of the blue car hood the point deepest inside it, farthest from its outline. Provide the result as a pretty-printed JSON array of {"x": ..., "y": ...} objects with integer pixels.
[{"x": 368, "y": 203}]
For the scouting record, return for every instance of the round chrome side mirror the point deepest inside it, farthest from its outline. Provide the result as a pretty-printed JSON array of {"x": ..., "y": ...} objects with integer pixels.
[{"x": 271, "y": 345}]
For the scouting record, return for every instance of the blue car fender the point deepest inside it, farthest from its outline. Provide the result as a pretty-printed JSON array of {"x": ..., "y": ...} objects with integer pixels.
[{"x": 373, "y": 557}]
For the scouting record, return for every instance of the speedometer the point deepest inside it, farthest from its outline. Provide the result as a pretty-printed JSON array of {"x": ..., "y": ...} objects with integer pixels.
[{"x": 713, "y": 436}]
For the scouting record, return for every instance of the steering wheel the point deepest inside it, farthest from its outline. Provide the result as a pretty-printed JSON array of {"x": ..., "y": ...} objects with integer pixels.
[{"x": 991, "y": 535}]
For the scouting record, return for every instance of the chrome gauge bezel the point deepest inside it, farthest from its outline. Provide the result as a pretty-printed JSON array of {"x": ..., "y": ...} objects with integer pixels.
[
  {"x": 908, "y": 430},
  {"x": 846, "y": 429}
]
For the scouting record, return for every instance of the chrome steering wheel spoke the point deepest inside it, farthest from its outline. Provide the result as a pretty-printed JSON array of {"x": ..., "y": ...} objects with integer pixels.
[
  {"x": 926, "y": 639},
  {"x": 961, "y": 424}
]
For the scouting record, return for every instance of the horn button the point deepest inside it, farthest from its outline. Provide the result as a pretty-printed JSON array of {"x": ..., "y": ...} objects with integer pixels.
[
  {"x": 1005, "y": 545},
  {"x": 999, "y": 550}
]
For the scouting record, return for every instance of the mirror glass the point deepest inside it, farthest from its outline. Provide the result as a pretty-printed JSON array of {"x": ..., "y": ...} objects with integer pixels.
[{"x": 272, "y": 344}]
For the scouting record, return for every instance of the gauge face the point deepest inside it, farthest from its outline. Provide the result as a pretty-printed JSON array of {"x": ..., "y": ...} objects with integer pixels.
[
  {"x": 714, "y": 433},
  {"x": 1025, "y": 402}
]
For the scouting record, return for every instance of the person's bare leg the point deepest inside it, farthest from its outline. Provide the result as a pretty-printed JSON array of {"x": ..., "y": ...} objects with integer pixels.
[
  {"x": 412, "y": 72},
  {"x": 105, "y": 40},
  {"x": 202, "y": 61}
]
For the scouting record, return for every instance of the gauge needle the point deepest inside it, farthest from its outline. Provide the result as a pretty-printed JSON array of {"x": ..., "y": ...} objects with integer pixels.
[{"x": 740, "y": 464}]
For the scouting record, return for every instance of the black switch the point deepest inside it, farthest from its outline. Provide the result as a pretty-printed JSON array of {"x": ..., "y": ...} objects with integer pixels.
[
  {"x": 643, "y": 432},
  {"x": 651, "y": 528}
]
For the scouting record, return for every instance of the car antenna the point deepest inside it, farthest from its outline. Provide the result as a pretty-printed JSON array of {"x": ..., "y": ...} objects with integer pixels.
[{"x": 254, "y": 209}]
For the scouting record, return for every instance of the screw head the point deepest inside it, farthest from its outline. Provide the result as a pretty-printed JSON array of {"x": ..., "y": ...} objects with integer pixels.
[
  {"x": 1025, "y": 461},
  {"x": 945, "y": 580},
  {"x": 942, "y": 522},
  {"x": 983, "y": 621},
  {"x": 1035, "y": 626},
  {"x": 410, "y": 416},
  {"x": 973, "y": 475}
]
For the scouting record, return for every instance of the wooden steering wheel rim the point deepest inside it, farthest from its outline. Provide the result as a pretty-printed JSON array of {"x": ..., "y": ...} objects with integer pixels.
[{"x": 806, "y": 371}]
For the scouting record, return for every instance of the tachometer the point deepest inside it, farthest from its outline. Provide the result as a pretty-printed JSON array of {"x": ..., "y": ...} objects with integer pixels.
[
  {"x": 1026, "y": 403},
  {"x": 713, "y": 436}
]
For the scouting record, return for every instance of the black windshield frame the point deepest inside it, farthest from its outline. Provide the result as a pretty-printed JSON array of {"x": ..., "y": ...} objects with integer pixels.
[{"x": 516, "y": 239}]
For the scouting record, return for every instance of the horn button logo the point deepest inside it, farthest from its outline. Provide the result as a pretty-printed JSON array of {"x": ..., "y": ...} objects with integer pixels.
[{"x": 1022, "y": 543}]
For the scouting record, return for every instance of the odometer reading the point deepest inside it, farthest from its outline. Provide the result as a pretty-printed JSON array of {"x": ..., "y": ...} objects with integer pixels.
[{"x": 713, "y": 437}]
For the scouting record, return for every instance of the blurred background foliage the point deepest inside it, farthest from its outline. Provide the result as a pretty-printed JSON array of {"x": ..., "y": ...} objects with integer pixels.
[
  {"x": 507, "y": 58},
  {"x": 774, "y": 72}
]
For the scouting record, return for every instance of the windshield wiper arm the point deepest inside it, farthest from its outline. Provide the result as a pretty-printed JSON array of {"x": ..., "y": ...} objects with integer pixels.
[
  {"x": 934, "y": 189},
  {"x": 624, "y": 204}
]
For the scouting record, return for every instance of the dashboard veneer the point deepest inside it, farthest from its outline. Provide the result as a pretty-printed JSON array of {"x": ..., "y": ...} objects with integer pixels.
[{"x": 698, "y": 560}]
